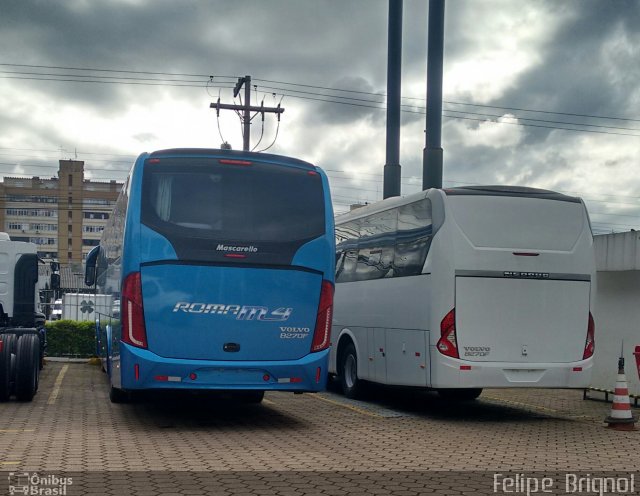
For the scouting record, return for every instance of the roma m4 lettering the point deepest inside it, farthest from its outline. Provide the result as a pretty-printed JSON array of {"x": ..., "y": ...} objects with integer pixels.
[{"x": 241, "y": 312}]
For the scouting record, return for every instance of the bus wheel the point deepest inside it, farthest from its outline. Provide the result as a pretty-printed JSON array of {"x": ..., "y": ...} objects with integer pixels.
[
  {"x": 351, "y": 385},
  {"x": 27, "y": 367},
  {"x": 118, "y": 395},
  {"x": 467, "y": 394},
  {"x": 5, "y": 366}
]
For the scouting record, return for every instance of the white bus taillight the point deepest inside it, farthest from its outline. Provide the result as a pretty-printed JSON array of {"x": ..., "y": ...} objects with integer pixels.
[
  {"x": 133, "y": 330},
  {"x": 447, "y": 344},
  {"x": 322, "y": 332},
  {"x": 590, "y": 345}
]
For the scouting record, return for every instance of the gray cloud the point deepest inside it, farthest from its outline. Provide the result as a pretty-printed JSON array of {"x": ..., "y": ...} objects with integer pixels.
[
  {"x": 144, "y": 137},
  {"x": 584, "y": 61}
]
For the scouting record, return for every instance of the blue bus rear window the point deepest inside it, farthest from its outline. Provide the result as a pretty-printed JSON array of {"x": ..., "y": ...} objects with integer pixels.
[{"x": 263, "y": 203}]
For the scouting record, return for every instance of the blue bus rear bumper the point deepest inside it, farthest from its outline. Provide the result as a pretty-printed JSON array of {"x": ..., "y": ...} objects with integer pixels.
[{"x": 307, "y": 374}]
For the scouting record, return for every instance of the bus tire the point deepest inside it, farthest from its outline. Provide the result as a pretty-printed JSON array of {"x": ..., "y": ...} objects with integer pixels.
[
  {"x": 5, "y": 366},
  {"x": 27, "y": 367},
  {"x": 118, "y": 395},
  {"x": 465, "y": 394},
  {"x": 351, "y": 384}
]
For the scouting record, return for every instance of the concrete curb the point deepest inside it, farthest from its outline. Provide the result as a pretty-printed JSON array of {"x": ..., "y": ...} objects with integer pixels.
[{"x": 66, "y": 360}]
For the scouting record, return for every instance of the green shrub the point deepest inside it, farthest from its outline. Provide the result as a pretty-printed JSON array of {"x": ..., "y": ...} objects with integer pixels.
[{"x": 69, "y": 338}]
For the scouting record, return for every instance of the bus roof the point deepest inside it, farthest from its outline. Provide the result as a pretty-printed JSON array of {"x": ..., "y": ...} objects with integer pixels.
[
  {"x": 231, "y": 154},
  {"x": 489, "y": 190},
  {"x": 519, "y": 191},
  {"x": 380, "y": 206}
]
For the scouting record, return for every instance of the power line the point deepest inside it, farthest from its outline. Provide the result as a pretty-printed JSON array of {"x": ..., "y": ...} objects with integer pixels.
[
  {"x": 453, "y": 102},
  {"x": 361, "y": 105},
  {"x": 547, "y": 121},
  {"x": 203, "y": 85},
  {"x": 459, "y": 111},
  {"x": 130, "y": 157},
  {"x": 406, "y": 180},
  {"x": 334, "y": 178},
  {"x": 119, "y": 78},
  {"x": 55, "y": 167},
  {"x": 113, "y": 70},
  {"x": 326, "y": 88},
  {"x": 569, "y": 114},
  {"x": 155, "y": 82},
  {"x": 471, "y": 118}
]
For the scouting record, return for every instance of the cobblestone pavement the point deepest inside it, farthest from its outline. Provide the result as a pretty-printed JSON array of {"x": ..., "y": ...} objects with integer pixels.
[{"x": 396, "y": 442}]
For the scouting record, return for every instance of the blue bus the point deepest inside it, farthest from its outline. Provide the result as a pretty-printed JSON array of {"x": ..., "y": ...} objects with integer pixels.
[{"x": 220, "y": 265}]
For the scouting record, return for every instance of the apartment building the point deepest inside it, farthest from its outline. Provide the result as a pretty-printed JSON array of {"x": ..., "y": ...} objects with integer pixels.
[{"x": 63, "y": 215}]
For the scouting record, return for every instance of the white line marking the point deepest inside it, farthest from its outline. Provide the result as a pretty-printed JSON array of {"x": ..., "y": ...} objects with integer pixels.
[{"x": 57, "y": 385}]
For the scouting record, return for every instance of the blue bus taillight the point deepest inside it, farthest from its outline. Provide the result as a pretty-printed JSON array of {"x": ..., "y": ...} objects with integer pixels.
[
  {"x": 322, "y": 332},
  {"x": 133, "y": 330}
]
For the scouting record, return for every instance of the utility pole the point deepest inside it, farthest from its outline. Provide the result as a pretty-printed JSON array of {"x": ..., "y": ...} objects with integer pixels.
[
  {"x": 391, "y": 185},
  {"x": 246, "y": 135},
  {"x": 247, "y": 108},
  {"x": 432, "y": 154}
]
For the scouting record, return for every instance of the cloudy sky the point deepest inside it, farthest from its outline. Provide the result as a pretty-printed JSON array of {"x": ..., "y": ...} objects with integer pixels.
[{"x": 542, "y": 93}]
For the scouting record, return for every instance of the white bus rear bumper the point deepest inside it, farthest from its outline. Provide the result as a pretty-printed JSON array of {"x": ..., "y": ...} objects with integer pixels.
[{"x": 454, "y": 373}]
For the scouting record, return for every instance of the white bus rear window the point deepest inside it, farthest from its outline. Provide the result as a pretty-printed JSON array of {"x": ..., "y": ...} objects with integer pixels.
[{"x": 518, "y": 223}]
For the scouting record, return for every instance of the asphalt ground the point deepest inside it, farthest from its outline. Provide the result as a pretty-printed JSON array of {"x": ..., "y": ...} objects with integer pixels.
[{"x": 394, "y": 442}]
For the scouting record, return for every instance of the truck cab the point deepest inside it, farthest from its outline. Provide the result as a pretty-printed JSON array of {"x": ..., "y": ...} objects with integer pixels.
[{"x": 21, "y": 322}]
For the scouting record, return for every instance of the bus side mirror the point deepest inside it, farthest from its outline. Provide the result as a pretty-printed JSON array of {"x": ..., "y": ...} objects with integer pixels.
[
  {"x": 90, "y": 267},
  {"x": 55, "y": 281}
]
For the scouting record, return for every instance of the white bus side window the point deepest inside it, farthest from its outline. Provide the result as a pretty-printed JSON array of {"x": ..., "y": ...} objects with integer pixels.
[
  {"x": 346, "y": 251},
  {"x": 413, "y": 238},
  {"x": 376, "y": 246}
]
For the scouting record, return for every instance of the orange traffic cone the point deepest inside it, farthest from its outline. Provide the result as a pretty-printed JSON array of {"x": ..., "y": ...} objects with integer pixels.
[{"x": 621, "y": 418}]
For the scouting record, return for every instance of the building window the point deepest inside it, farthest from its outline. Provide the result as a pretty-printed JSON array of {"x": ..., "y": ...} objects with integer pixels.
[
  {"x": 96, "y": 215},
  {"x": 31, "y": 212},
  {"x": 31, "y": 198},
  {"x": 92, "y": 229},
  {"x": 98, "y": 201},
  {"x": 69, "y": 255},
  {"x": 43, "y": 241},
  {"x": 70, "y": 215},
  {"x": 70, "y": 180},
  {"x": 43, "y": 227},
  {"x": 70, "y": 227}
]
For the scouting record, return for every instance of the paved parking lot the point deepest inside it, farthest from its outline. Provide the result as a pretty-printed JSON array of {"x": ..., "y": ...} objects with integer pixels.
[{"x": 396, "y": 442}]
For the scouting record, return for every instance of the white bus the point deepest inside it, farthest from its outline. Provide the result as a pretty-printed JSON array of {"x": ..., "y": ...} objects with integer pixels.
[{"x": 465, "y": 288}]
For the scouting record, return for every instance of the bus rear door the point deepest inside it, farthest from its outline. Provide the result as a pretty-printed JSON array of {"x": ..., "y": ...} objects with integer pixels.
[{"x": 527, "y": 299}]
